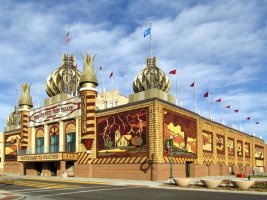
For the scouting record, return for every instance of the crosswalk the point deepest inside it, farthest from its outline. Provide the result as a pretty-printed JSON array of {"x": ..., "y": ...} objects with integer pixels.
[{"x": 39, "y": 184}]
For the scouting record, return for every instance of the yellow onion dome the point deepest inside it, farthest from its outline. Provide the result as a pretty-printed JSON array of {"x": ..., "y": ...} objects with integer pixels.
[
  {"x": 151, "y": 77},
  {"x": 64, "y": 79},
  {"x": 14, "y": 118}
]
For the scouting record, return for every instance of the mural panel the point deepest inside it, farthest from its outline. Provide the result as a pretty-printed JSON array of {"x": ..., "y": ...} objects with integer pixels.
[
  {"x": 207, "y": 141},
  {"x": 239, "y": 148},
  {"x": 220, "y": 144},
  {"x": 231, "y": 146},
  {"x": 247, "y": 150},
  {"x": 184, "y": 132},
  {"x": 122, "y": 134},
  {"x": 259, "y": 152},
  {"x": 11, "y": 146}
]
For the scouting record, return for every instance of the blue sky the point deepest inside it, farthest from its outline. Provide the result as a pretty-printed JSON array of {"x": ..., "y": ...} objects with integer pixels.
[{"x": 221, "y": 45}]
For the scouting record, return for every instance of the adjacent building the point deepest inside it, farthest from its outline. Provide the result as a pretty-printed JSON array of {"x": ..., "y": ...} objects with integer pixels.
[{"x": 82, "y": 133}]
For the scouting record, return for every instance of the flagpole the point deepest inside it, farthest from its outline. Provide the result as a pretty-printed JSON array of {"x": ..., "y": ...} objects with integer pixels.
[
  {"x": 112, "y": 90},
  {"x": 251, "y": 125},
  {"x": 176, "y": 92},
  {"x": 68, "y": 43},
  {"x": 231, "y": 119},
  {"x": 102, "y": 80},
  {"x": 239, "y": 121},
  {"x": 209, "y": 103},
  {"x": 222, "y": 112},
  {"x": 195, "y": 97},
  {"x": 150, "y": 41}
]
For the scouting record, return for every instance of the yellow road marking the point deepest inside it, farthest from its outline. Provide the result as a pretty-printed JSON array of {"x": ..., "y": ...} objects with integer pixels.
[
  {"x": 71, "y": 181},
  {"x": 45, "y": 185}
]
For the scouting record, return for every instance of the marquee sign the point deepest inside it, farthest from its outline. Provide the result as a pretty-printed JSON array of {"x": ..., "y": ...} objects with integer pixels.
[
  {"x": 48, "y": 157},
  {"x": 54, "y": 112}
]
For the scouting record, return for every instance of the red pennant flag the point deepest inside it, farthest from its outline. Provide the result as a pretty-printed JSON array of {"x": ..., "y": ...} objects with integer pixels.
[
  {"x": 257, "y": 122},
  {"x": 111, "y": 74},
  {"x": 192, "y": 84},
  {"x": 206, "y": 94},
  {"x": 67, "y": 38},
  {"x": 219, "y": 100},
  {"x": 172, "y": 71},
  {"x": 229, "y": 106},
  {"x": 236, "y": 110},
  {"x": 248, "y": 118}
]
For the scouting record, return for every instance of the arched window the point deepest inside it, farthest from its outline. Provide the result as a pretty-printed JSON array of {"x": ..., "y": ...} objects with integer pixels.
[
  {"x": 40, "y": 140},
  {"x": 54, "y": 138},
  {"x": 70, "y": 137}
]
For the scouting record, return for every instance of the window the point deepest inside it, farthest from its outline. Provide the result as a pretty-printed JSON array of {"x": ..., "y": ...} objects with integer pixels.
[
  {"x": 40, "y": 140},
  {"x": 40, "y": 145},
  {"x": 70, "y": 132},
  {"x": 54, "y": 139},
  {"x": 54, "y": 143},
  {"x": 71, "y": 142}
]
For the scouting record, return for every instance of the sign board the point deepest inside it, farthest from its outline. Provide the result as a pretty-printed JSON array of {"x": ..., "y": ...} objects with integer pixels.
[
  {"x": 47, "y": 157},
  {"x": 56, "y": 112}
]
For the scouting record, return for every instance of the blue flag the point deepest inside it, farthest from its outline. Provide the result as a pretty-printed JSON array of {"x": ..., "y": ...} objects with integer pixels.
[{"x": 147, "y": 32}]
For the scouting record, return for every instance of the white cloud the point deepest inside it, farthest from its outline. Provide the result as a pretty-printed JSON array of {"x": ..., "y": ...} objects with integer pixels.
[{"x": 219, "y": 45}]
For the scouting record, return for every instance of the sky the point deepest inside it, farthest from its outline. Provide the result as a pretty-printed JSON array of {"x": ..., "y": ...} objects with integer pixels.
[{"x": 219, "y": 45}]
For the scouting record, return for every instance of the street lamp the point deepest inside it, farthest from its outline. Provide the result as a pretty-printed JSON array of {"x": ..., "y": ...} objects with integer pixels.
[{"x": 171, "y": 145}]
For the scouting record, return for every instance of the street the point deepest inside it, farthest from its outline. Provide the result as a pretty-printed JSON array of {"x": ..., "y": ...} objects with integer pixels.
[{"x": 64, "y": 190}]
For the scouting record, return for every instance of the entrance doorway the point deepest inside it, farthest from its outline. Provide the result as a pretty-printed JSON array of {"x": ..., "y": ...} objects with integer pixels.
[
  {"x": 39, "y": 168},
  {"x": 187, "y": 169},
  {"x": 53, "y": 168}
]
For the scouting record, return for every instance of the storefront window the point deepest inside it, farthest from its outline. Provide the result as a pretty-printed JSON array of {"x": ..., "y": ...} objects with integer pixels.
[
  {"x": 70, "y": 142},
  {"x": 54, "y": 139},
  {"x": 40, "y": 140},
  {"x": 40, "y": 145},
  {"x": 54, "y": 143}
]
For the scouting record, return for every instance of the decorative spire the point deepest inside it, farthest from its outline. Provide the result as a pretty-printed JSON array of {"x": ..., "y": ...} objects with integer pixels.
[
  {"x": 88, "y": 75},
  {"x": 25, "y": 97}
]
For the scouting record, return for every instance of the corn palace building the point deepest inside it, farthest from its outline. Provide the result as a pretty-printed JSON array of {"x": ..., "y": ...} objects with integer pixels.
[{"x": 82, "y": 133}]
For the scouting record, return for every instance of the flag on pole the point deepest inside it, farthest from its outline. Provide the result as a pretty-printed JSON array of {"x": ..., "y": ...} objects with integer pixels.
[
  {"x": 206, "y": 94},
  {"x": 147, "y": 32},
  {"x": 111, "y": 74},
  {"x": 219, "y": 100},
  {"x": 248, "y": 118},
  {"x": 67, "y": 38},
  {"x": 237, "y": 110},
  {"x": 257, "y": 122},
  {"x": 172, "y": 71},
  {"x": 229, "y": 106},
  {"x": 192, "y": 84}
]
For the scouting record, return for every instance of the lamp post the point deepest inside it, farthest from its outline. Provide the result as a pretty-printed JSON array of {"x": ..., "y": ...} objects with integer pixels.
[{"x": 171, "y": 145}]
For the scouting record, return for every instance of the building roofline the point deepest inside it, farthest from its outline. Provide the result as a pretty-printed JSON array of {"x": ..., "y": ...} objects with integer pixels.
[{"x": 171, "y": 104}]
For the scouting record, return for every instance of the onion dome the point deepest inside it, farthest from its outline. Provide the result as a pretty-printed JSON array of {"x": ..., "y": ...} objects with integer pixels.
[
  {"x": 151, "y": 77},
  {"x": 64, "y": 79},
  {"x": 14, "y": 118},
  {"x": 25, "y": 98}
]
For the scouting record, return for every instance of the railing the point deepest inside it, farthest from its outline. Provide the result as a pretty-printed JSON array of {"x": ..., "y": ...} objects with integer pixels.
[{"x": 70, "y": 147}]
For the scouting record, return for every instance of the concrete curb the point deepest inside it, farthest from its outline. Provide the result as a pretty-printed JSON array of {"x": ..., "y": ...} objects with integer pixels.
[{"x": 122, "y": 182}]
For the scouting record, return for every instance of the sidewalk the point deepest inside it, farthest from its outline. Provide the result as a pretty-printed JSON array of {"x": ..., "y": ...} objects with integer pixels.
[{"x": 151, "y": 184}]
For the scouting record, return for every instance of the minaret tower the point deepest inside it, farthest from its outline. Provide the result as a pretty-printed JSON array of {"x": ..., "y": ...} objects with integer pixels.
[
  {"x": 25, "y": 105},
  {"x": 88, "y": 92}
]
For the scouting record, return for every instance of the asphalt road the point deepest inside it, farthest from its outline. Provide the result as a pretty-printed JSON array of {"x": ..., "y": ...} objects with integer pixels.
[{"x": 40, "y": 189}]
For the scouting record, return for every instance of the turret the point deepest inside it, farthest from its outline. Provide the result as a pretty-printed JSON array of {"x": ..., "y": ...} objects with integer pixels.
[
  {"x": 25, "y": 105},
  {"x": 88, "y": 92}
]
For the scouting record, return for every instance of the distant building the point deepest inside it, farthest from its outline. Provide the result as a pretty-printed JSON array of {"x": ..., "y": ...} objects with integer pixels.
[{"x": 82, "y": 133}]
